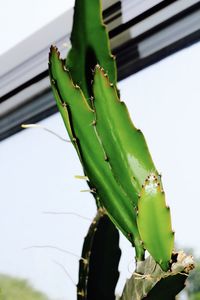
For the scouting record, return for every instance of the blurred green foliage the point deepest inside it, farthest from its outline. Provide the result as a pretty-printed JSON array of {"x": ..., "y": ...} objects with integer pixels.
[
  {"x": 196, "y": 296},
  {"x": 12, "y": 288},
  {"x": 194, "y": 280},
  {"x": 193, "y": 284}
]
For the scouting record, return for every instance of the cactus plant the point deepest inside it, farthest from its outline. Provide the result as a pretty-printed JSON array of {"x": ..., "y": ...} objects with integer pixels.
[
  {"x": 90, "y": 45},
  {"x": 115, "y": 158},
  {"x": 98, "y": 268},
  {"x": 152, "y": 283}
]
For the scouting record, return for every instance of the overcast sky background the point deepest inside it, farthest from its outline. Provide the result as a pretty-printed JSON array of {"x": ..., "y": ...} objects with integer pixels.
[{"x": 37, "y": 170}]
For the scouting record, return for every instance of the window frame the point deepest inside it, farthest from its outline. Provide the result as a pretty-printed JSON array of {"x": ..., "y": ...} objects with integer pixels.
[{"x": 140, "y": 36}]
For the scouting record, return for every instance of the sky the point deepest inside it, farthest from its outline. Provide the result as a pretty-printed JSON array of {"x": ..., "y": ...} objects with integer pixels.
[{"x": 37, "y": 170}]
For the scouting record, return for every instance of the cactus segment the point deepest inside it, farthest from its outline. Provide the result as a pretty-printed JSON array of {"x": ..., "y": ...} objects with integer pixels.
[
  {"x": 98, "y": 270},
  {"x": 82, "y": 131},
  {"x": 154, "y": 222},
  {"x": 64, "y": 113},
  {"x": 167, "y": 288},
  {"x": 90, "y": 45},
  {"x": 125, "y": 145},
  {"x": 150, "y": 282}
]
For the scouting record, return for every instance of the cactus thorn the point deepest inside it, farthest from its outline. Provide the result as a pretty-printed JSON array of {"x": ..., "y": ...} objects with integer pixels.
[
  {"x": 64, "y": 105},
  {"x": 85, "y": 261},
  {"x": 53, "y": 47},
  {"x": 81, "y": 177},
  {"x": 93, "y": 191},
  {"x": 81, "y": 293},
  {"x": 65, "y": 68}
]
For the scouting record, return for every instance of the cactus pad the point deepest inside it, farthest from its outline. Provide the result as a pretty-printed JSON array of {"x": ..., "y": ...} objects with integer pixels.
[
  {"x": 150, "y": 282},
  {"x": 154, "y": 222},
  {"x": 98, "y": 271}
]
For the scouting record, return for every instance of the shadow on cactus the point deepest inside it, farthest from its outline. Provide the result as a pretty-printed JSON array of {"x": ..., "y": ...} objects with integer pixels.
[{"x": 122, "y": 176}]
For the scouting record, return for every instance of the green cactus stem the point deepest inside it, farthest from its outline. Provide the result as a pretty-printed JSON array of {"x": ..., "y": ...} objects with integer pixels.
[
  {"x": 79, "y": 120},
  {"x": 90, "y": 46},
  {"x": 98, "y": 270},
  {"x": 124, "y": 144},
  {"x": 154, "y": 222},
  {"x": 150, "y": 282}
]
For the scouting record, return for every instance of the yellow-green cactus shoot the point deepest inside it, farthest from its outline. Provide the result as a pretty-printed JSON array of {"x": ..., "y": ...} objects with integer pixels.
[{"x": 154, "y": 222}]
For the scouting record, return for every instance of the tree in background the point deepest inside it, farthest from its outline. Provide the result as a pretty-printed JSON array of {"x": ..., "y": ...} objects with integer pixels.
[
  {"x": 193, "y": 286},
  {"x": 12, "y": 288}
]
